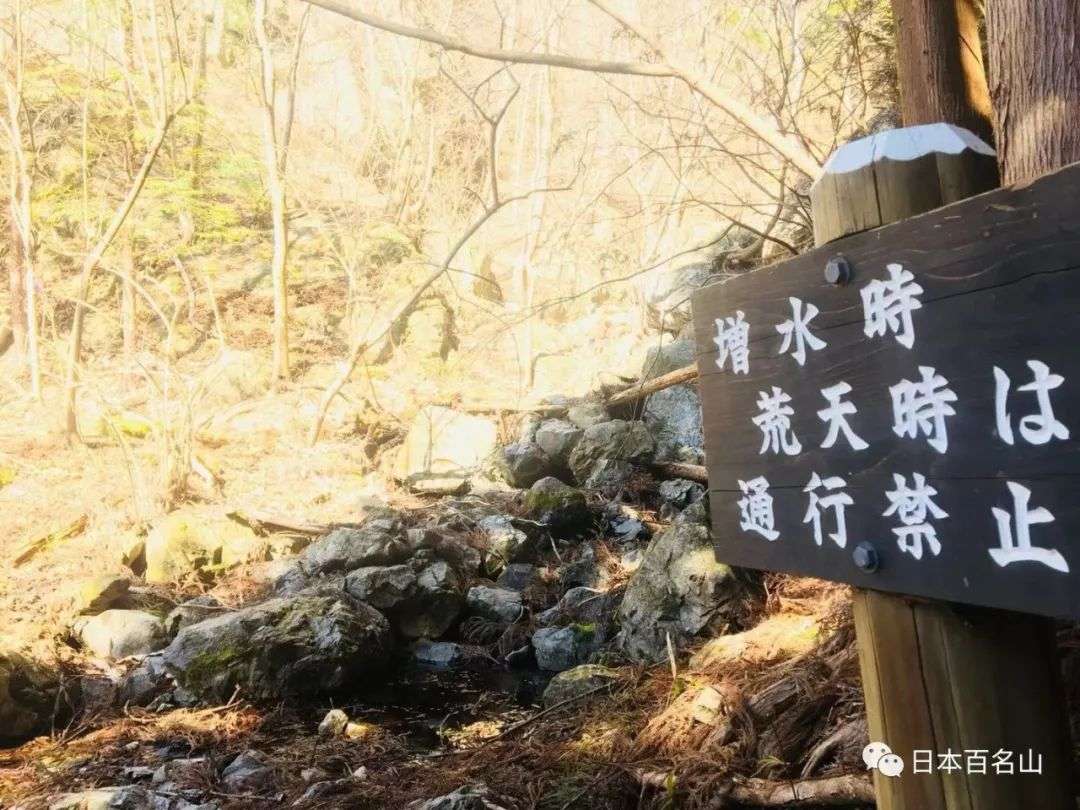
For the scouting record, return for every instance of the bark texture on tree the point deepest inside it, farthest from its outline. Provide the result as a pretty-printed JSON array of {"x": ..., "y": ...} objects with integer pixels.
[
  {"x": 940, "y": 65},
  {"x": 1035, "y": 84}
]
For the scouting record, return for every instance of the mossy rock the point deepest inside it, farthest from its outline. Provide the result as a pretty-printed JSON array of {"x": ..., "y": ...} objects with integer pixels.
[{"x": 299, "y": 646}]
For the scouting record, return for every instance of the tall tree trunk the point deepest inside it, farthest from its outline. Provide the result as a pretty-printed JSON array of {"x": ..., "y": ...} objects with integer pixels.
[
  {"x": 1035, "y": 81},
  {"x": 942, "y": 77},
  {"x": 16, "y": 288}
]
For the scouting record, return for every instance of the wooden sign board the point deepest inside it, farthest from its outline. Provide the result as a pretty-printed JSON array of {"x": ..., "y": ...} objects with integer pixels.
[{"x": 914, "y": 426}]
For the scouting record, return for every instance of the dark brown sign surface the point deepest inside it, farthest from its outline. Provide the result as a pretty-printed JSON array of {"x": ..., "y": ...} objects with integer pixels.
[{"x": 913, "y": 427}]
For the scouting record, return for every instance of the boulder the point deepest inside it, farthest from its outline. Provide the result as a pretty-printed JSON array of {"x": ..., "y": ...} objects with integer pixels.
[
  {"x": 27, "y": 697},
  {"x": 561, "y": 648},
  {"x": 439, "y": 654},
  {"x": 250, "y": 772},
  {"x": 667, "y": 295},
  {"x": 609, "y": 476},
  {"x": 677, "y": 494},
  {"x": 587, "y": 414},
  {"x": 101, "y": 593},
  {"x": 560, "y": 507},
  {"x": 185, "y": 543},
  {"x": 613, "y": 440},
  {"x": 583, "y": 571},
  {"x": 120, "y": 633},
  {"x": 191, "y": 612},
  {"x": 295, "y": 646},
  {"x": 671, "y": 356},
  {"x": 422, "y": 598},
  {"x": 379, "y": 540},
  {"x": 505, "y": 543},
  {"x": 583, "y": 605},
  {"x": 443, "y": 449},
  {"x": 519, "y": 576},
  {"x": 679, "y": 588},
  {"x": 573, "y": 683},
  {"x": 674, "y": 417},
  {"x": 470, "y": 797},
  {"x": 522, "y": 464},
  {"x": 496, "y": 604},
  {"x": 558, "y": 438}
]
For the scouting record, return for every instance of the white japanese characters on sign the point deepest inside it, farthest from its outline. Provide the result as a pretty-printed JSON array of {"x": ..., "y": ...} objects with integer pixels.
[
  {"x": 887, "y": 305},
  {"x": 921, "y": 407},
  {"x": 1037, "y": 428},
  {"x": 914, "y": 506},
  {"x": 775, "y": 423},
  {"x": 797, "y": 330},
  {"x": 756, "y": 508},
  {"x": 733, "y": 340},
  {"x": 835, "y": 416},
  {"x": 832, "y": 499},
  {"x": 1018, "y": 548},
  {"x": 921, "y": 410}
]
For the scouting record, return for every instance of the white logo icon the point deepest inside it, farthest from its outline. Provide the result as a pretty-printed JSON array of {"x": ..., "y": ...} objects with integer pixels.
[{"x": 878, "y": 756}]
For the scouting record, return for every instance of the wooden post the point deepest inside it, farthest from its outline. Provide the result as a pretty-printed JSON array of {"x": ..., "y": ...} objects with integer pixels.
[{"x": 939, "y": 676}]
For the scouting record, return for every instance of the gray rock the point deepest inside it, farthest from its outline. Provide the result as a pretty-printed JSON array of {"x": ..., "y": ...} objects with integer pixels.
[
  {"x": 518, "y": 576},
  {"x": 582, "y": 571},
  {"x": 674, "y": 417},
  {"x": 667, "y": 296},
  {"x": 120, "y": 633},
  {"x": 191, "y": 612},
  {"x": 439, "y": 654},
  {"x": 583, "y": 605},
  {"x": 27, "y": 697},
  {"x": 558, "y": 438},
  {"x": 470, "y": 797},
  {"x": 581, "y": 680},
  {"x": 523, "y": 464},
  {"x": 420, "y": 599},
  {"x": 248, "y": 773},
  {"x": 144, "y": 682},
  {"x": 613, "y": 440},
  {"x": 505, "y": 543},
  {"x": 380, "y": 540},
  {"x": 496, "y": 604},
  {"x": 561, "y": 648},
  {"x": 301, "y": 645},
  {"x": 382, "y": 587},
  {"x": 319, "y": 790},
  {"x": 587, "y": 414},
  {"x": 671, "y": 356},
  {"x": 560, "y": 507},
  {"x": 334, "y": 723},
  {"x": 609, "y": 476},
  {"x": 677, "y": 494},
  {"x": 679, "y": 588}
]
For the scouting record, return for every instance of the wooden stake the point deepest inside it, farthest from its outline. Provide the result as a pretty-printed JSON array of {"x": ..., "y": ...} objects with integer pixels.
[{"x": 939, "y": 677}]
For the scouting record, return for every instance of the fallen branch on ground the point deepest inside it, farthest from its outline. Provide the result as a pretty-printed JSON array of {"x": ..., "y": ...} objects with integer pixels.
[
  {"x": 644, "y": 388},
  {"x": 32, "y": 547},
  {"x": 692, "y": 472},
  {"x": 826, "y": 791}
]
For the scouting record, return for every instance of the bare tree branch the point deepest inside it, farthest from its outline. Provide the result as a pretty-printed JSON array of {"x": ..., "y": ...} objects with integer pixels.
[{"x": 783, "y": 144}]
